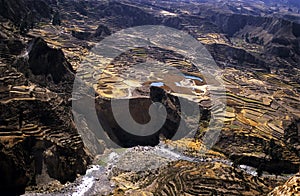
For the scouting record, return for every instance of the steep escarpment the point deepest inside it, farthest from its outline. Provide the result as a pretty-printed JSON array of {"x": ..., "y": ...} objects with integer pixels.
[
  {"x": 39, "y": 141},
  {"x": 46, "y": 61},
  {"x": 37, "y": 135}
]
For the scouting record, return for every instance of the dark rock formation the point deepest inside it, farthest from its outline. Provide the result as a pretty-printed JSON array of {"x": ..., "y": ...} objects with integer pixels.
[
  {"x": 56, "y": 19},
  {"x": 174, "y": 22},
  {"x": 37, "y": 135},
  {"x": 14, "y": 177},
  {"x": 102, "y": 31},
  {"x": 37, "y": 138},
  {"x": 44, "y": 60}
]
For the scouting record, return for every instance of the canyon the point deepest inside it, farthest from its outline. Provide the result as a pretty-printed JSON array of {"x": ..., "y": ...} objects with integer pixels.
[{"x": 59, "y": 101}]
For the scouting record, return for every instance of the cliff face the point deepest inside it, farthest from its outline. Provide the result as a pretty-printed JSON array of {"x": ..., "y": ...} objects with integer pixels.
[
  {"x": 38, "y": 137},
  {"x": 46, "y": 61},
  {"x": 37, "y": 133}
]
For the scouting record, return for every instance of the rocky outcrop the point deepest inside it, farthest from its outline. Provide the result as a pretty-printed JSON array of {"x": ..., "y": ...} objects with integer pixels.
[
  {"x": 37, "y": 135},
  {"x": 38, "y": 140},
  {"x": 102, "y": 31},
  {"x": 46, "y": 61},
  {"x": 174, "y": 22}
]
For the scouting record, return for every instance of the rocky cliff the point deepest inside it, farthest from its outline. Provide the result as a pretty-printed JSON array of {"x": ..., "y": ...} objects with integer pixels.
[{"x": 39, "y": 141}]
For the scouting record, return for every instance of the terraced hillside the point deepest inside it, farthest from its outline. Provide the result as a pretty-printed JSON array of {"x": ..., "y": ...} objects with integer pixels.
[
  {"x": 44, "y": 44},
  {"x": 39, "y": 141}
]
